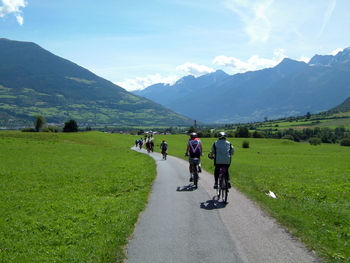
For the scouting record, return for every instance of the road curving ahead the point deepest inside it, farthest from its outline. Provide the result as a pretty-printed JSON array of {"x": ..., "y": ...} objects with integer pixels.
[{"x": 183, "y": 224}]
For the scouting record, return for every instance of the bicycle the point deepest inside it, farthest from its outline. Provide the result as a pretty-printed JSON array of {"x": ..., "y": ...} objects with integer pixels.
[
  {"x": 223, "y": 185},
  {"x": 164, "y": 153},
  {"x": 194, "y": 162},
  {"x": 222, "y": 190}
]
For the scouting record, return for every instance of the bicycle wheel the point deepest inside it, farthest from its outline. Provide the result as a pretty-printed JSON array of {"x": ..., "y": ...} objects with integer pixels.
[
  {"x": 219, "y": 190},
  {"x": 225, "y": 191},
  {"x": 195, "y": 176}
]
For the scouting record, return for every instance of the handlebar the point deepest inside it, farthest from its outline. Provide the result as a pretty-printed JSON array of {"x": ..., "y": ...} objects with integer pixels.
[{"x": 210, "y": 156}]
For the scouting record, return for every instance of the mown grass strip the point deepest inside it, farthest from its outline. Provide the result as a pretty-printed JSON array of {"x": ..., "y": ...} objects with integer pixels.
[
  {"x": 69, "y": 197},
  {"x": 312, "y": 184}
]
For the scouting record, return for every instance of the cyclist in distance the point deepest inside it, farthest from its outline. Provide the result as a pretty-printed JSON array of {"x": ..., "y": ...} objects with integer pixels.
[
  {"x": 164, "y": 148},
  {"x": 194, "y": 149},
  {"x": 222, "y": 150}
]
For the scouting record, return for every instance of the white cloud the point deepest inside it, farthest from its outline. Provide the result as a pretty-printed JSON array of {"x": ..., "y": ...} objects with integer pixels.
[
  {"x": 254, "y": 15},
  {"x": 143, "y": 82},
  {"x": 336, "y": 51},
  {"x": 194, "y": 69},
  {"x": 253, "y": 63},
  {"x": 327, "y": 16},
  {"x": 19, "y": 19},
  {"x": 304, "y": 59},
  {"x": 13, "y": 6}
]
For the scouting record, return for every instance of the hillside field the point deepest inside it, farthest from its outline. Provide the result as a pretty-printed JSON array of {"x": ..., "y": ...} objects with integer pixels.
[
  {"x": 333, "y": 121},
  {"x": 69, "y": 197},
  {"x": 312, "y": 185}
]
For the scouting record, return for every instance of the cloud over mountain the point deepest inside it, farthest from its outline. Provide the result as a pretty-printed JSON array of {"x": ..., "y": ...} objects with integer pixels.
[
  {"x": 253, "y": 63},
  {"x": 194, "y": 69},
  {"x": 13, "y": 6}
]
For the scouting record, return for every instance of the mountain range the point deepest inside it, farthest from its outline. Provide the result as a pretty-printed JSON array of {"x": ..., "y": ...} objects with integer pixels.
[
  {"x": 290, "y": 88},
  {"x": 34, "y": 81}
]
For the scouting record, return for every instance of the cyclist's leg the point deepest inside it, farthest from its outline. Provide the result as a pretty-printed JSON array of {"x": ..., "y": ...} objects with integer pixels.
[
  {"x": 191, "y": 171},
  {"x": 216, "y": 175}
]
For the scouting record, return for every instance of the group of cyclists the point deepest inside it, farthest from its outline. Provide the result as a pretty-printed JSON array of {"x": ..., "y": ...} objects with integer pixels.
[
  {"x": 221, "y": 152},
  {"x": 148, "y": 141}
]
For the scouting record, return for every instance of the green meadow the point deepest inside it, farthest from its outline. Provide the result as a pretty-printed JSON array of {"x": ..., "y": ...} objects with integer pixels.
[
  {"x": 76, "y": 197},
  {"x": 69, "y": 197},
  {"x": 312, "y": 185}
]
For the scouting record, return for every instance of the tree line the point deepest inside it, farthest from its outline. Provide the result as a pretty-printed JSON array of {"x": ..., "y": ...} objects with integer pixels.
[
  {"x": 322, "y": 135},
  {"x": 39, "y": 125}
]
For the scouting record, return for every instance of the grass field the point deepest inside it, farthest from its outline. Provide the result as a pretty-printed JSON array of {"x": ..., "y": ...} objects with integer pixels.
[
  {"x": 312, "y": 123},
  {"x": 312, "y": 184},
  {"x": 69, "y": 197}
]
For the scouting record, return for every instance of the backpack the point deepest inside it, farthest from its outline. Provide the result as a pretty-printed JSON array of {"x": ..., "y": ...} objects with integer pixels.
[
  {"x": 194, "y": 147},
  {"x": 164, "y": 146}
]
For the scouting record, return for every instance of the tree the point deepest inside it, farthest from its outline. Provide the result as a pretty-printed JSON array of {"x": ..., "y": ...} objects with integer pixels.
[
  {"x": 242, "y": 132},
  {"x": 315, "y": 141},
  {"x": 70, "y": 126},
  {"x": 192, "y": 129},
  {"x": 39, "y": 122},
  {"x": 308, "y": 115}
]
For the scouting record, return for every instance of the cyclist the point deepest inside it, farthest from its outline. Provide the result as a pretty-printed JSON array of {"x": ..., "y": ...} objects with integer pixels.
[
  {"x": 222, "y": 151},
  {"x": 194, "y": 148},
  {"x": 164, "y": 147}
]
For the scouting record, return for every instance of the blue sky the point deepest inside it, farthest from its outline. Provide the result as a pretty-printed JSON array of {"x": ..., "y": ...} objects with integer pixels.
[{"x": 138, "y": 43}]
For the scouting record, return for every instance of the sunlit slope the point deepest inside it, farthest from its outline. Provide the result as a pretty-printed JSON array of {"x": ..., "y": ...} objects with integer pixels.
[{"x": 35, "y": 81}]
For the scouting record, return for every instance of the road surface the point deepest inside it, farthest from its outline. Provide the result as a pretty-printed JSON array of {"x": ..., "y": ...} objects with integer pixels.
[{"x": 183, "y": 224}]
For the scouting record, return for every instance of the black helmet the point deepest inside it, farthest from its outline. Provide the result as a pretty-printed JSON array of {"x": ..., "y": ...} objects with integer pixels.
[
  {"x": 193, "y": 135},
  {"x": 222, "y": 135}
]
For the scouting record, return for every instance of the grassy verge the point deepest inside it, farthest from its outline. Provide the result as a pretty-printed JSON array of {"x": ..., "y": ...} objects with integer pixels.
[
  {"x": 312, "y": 185},
  {"x": 69, "y": 197}
]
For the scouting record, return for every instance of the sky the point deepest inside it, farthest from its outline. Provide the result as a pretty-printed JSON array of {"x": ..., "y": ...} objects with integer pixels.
[{"x": 136, "y": 43}]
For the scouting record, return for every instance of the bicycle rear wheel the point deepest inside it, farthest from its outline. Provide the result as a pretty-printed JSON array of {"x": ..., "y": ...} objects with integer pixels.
[
  {"x": 219, "y": 191},
  {"x": 195, "y": 176},
  {"x": 225, "y": 191}
]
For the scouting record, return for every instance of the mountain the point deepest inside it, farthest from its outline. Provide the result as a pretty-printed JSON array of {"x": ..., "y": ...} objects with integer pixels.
[
  {"x": 166, "y": 94},
  {"x": 34, "y": 81},
  {"x": 343, "y": 107},
  {"x": 329, "y": 60},
  {"x": 290, "y": 88}
]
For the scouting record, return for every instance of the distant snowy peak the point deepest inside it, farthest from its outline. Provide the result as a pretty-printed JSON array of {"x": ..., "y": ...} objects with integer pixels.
[{"x": 329, "y": 60}]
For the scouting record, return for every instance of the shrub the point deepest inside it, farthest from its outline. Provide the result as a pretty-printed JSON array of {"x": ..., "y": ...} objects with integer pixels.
[
  {"x": 257, "y": 134},
  {"x": 315, "y": 141},
  {"x": 345, "y": 142},
  {"x": 50, "y": 129},
  {"x": 53, "y": 128},
  {"x": 28, "y": 130},
  {"x": 288, "y": 137},
  {"x": 230, "y": 134},
  {"x": 245, "y": 144},
  {"x": 70, "y": 126}
]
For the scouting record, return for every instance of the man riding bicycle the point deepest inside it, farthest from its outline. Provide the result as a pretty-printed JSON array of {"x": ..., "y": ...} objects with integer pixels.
[
  {"x": 221, "y": 151},
  {"x": 194, "y": 148},
  {"x": 164, "y": 147}
]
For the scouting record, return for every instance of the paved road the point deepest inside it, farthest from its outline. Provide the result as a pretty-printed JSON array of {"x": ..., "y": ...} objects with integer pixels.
[{"x": 183, "y": 224}]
